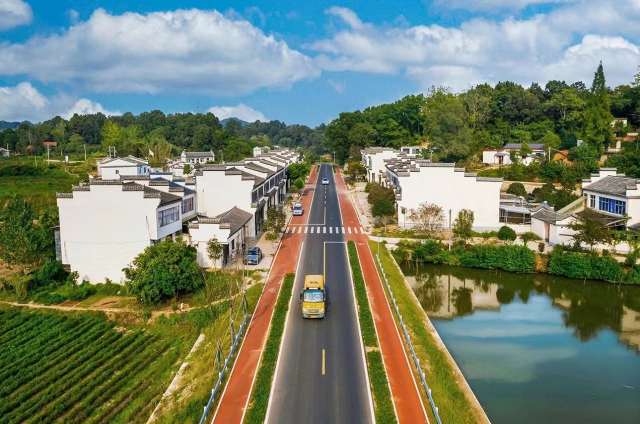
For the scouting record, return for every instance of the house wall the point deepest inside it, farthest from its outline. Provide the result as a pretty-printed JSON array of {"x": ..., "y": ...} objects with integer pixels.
[
  {"x": 451, "y": 190},
  {"x": 104, "y": 229},
  {"x": 217, "y": 193},
  {"x": 377, "y": 164},
  {"x": 114, "y": 172}
]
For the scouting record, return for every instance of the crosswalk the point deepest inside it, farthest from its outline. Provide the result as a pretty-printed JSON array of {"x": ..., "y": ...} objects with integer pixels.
[{"x": 322, "y": 229}]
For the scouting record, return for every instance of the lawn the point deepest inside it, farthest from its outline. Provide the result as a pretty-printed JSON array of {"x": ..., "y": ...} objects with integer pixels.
[
  {"x": 81, "y": 368},
  {"x": 37, "y": 184}
]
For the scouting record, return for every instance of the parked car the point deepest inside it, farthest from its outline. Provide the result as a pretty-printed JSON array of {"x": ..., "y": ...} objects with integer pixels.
[
  {"x": 254, "y": 256},
  {"x": 325, "y": 181},
  {"x": 298, "y": 209}
]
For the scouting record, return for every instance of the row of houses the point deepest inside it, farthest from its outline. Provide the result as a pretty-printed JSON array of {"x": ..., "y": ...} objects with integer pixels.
[
  {"x": 415, "y": 181},
  {"x": 105, "y": 224}
]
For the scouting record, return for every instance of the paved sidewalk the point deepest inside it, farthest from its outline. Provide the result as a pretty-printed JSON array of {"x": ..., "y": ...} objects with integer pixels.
[
  {"x": 236, "y": 394},
  {"x": 404, "y": 389}
]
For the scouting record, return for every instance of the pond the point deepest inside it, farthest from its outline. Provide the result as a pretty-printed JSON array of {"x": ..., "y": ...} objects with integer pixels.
[{"x": 538, "y": 348}]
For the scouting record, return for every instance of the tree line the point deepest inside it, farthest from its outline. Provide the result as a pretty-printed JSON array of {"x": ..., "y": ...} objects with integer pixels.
[
  {"x": 458, "y": 126},
  {"x": 160, "y": 133}
]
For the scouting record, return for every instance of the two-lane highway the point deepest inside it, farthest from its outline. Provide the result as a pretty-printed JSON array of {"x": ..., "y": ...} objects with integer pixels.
[{"x": 321, "y": 374}]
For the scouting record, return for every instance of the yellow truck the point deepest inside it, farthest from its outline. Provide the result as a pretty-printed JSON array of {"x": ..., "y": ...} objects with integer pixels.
[{"x": 313, "y": 297}]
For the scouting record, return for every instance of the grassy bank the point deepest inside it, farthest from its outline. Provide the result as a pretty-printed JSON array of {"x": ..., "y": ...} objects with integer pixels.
[
  {"x": 447, "y": 388},
  {"x": 185, "y": 405},
  {"x": 260, "y": 395},
  {"x": 383, "y": 403}
]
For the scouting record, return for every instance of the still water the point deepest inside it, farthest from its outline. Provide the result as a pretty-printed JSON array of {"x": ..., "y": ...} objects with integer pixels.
[{"x": 538, "y": 348}]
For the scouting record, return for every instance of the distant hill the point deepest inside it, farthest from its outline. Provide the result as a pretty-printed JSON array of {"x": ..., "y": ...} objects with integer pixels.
[
  {"x": 5, "y": 125},
  {"x": 224, "y": 121}
]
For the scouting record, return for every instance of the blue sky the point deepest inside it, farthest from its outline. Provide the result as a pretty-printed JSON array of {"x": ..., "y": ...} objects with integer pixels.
[{"x": 299, "y": 62}]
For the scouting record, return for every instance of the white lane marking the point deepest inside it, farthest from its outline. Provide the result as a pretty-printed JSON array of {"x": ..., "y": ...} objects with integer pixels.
[
  {"x": 311, "y": 230},
  {"x": 361, "y": 230},
  {"x": 342, "y": 230},
  {"x": 330, "y": 230},
  {"x": 318, "y": 230},
  {"x": 300, "y": 230},
  {"x": 305, "y": 229},
  {"x": 355, "y": 230},
  {"x": 349, "y": 228},
  {"x": 324, "y": 230}
]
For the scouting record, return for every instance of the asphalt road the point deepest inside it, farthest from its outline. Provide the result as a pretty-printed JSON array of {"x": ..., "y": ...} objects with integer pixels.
[{"x": 308, "y": 389}]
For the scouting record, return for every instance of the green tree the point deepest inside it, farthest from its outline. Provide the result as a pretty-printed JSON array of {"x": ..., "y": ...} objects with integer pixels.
[
  {"x": 598, "y": 131},
  {"x": 274, "y": 225},
  {"x": 590, "y": 228},
  {"x": 551, "y": 140},
  {"x": 362, "y": 135},
  {"x": 384, "y": 209},
  {"x": 214, "y": 251},
  {"x": 159, "y": 150},
  {"x": 236, "y": 149},
  {"x": 299, "y": 183},
  {"x": 355, "y": 169},
  {"x": 186, "y": 169},
  {"x": 21, "y": 240},
  {"x": 463, "y": 225},
  {"x": 517, "y": 189},
  {"x": 525, "y": 150},
  {"x": 164, "y": 271},
  {"x": 377, "y": 192},
  {"x": 507, "y": 234}
]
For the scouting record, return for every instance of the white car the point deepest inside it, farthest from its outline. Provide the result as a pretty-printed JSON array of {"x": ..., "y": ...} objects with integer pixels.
[
  {"x": 325, "y": 181},
  {"x": 298, "y": 209}
]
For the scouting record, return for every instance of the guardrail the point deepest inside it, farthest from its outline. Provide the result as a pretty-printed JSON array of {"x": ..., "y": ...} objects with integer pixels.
[
  {"x": 416, "y": 361},
  {"x": 214, "y": 391}
]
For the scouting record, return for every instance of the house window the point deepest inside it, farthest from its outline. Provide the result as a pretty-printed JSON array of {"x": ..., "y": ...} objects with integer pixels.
[
  {"x": 117, "y": 171},
  {"x": 592, "y": 201},
  {"x": 614, "y": 206},
  {"x": 168, "y": 216},
  {"x": 187, "y": 205}
]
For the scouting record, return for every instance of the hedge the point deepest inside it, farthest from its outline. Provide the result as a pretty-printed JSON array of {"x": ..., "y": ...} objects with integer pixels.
[
  {"x": 260, "y": 394},
  {"x": 581, "y": 265}
]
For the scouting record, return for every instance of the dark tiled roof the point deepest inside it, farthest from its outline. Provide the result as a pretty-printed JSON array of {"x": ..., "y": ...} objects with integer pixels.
[
  {"x": 548, "y": 215},
  {"x": 259, "y": 168},
  {"x": 612, "y": 185},
  {"x": 198, "y": 154},
  {"x": 536, "y": 146},
  {"x": 165, "y": 198},
  {"x": 233, "y": 220}
]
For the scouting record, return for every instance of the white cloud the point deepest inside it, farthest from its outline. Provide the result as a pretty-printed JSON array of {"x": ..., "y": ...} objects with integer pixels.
[
  {"x": 180, "y": 51},
  {"x": 347, "y": 15},
  {"x": 25, "y": 103},
  {"x": 240, "y": 111},
  {"x": 492, "y": 5},
  {"x": 339, "y": 86},
  {"x": 533, "y": 49},
  {"x": 73, "y": 16},
  {"x": 14, "y": 13}
]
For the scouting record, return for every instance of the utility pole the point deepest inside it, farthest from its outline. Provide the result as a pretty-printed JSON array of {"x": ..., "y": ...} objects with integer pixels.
[
  {"x": 48, "y": 162},
  {"x": 85, "y": 152}
]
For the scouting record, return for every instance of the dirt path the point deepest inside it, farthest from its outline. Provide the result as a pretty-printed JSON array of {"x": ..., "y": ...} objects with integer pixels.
[
  {"x": 404, "y": 389},
  {"x": 236, "y": 394}
]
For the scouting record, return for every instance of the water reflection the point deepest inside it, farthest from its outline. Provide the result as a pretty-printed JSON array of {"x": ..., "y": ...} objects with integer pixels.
[
  {"x": 538, "y": 348},
  {"x": 587, "y": 308}
]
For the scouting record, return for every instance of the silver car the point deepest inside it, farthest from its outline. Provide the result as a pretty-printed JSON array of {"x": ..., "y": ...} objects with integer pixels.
[
  {"x": 298, "y": 209},
  {"x": 325, "y": 181}
]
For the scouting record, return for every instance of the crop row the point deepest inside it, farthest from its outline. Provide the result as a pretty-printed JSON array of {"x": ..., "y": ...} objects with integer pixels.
[
  {"x": 50, "y": 330},
  {"x": 53, "y": 391},
  {"x": 47, "y": 369},
  {"x": 61, "y": 375},
  {"x": 12, "y": 322},
  {"x": 121, "y": 368},
  {"x": 114, "y": 384},
  {"x": 69, "y": 341},
  {"x": 26, "y": 327}
]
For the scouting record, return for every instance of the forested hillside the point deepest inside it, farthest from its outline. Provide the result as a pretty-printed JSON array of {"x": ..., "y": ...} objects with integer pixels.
[
  {"x": 163, "y": 134},
  {"x": 458, "y": 126}
]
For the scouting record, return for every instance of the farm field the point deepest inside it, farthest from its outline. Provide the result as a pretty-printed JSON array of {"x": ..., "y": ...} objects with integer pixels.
[{"x": 83, "y": 369}]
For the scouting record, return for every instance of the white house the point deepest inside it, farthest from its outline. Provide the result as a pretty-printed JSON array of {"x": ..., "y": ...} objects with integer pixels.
[
  {"x": 231, "y": 228},
  {"x": 614, "y": 196},
  {"x": 112, "y": 168},
  {"x": 105, "y": 225},
  {"x": 411, "y": 150},
  {"x": 373, "y": 159},
  {"x": 417, "y": 181},
  {"x": 257, "y": 151},
  {"x": 193, "y": 158},
  {"x": 503, "y": 156}
]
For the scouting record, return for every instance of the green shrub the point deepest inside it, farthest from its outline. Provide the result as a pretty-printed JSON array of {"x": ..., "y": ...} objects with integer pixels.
[
  {"x": 606, "y": 268},
  {"x": 506, "y": 233},
  {"x": 82, "y": 291},
  {"x": 367, "y": 188},
  {"x": 517, "y": 189},
  {"x": 426, "y": 251},
  {"x": 529, "y": 236},
  {"x": 508, "y": 258},
  {"x": 568, "y": 264},
  {"x": 47, "y": 298},
  {"x": 50, "y": 273}
]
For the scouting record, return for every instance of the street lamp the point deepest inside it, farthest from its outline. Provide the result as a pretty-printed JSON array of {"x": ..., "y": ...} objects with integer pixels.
[
  {"x": 85, "y": 152},
  {"x": 431, "y": 150}
]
